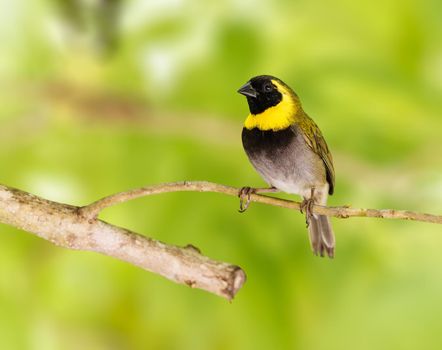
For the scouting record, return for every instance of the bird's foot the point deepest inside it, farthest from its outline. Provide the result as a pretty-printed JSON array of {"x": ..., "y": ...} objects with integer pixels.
[
  {"x": 245, "y": 193},
  {"x": 307, "y": 208},
  {"x": 244, "y": 198}
]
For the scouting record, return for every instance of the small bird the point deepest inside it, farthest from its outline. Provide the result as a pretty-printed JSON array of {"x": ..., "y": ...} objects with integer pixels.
[{"x": 288, "y": 150}]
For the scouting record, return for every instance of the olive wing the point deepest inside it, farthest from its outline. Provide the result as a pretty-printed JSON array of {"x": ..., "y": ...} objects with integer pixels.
[{"x": 313, "y": 137}]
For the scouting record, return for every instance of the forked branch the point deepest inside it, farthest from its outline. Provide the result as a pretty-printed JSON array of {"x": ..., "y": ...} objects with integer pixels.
[
  {"x": 62, "y": 225},
  {"x": 78, "y": 228}
]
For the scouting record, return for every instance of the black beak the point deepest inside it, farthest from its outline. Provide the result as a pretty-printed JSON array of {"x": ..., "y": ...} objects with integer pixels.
[{"x": 247, "y": 90}]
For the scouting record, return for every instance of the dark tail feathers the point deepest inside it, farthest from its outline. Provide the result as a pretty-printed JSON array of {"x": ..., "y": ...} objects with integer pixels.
[{"x": 322, "y": 238}]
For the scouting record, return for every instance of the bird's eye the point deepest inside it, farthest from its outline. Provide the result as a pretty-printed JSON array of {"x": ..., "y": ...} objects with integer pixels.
[{"x": 268, "y": 87}]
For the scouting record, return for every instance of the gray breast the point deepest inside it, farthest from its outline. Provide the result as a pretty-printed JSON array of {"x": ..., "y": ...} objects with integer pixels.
[{"x": 284, "y": 159}]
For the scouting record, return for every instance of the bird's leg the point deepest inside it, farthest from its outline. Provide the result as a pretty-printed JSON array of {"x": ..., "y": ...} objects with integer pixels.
[
  {"x": 307, "y": 206},
  {"x": 245, "y": 193},
  {"x": 244, "y": 198}
]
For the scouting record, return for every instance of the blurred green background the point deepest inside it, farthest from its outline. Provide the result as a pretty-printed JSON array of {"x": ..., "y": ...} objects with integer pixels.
[{"x": 101, "y": 96}]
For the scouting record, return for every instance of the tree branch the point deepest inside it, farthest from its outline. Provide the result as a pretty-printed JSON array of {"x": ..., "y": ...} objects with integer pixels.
[
  {"x": 62, "y": 225},
  {"x": 93, "y": 210},
  {"x": 78, "y": 228}
]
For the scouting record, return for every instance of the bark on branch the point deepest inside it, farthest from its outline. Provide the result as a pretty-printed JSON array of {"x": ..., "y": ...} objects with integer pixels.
[
  {"x": 64, "y": 226},
  {"x": 78, "y": 228}
]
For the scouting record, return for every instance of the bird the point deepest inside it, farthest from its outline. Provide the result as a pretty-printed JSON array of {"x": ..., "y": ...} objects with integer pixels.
[{"x": 287, "y": 149}]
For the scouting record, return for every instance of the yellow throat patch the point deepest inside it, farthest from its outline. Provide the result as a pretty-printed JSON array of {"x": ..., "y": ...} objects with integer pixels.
[{"x": 277, "y": 117}]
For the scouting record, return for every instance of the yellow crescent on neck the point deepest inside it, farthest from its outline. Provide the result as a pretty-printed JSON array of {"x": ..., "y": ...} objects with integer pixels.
[{"x": 277, "y": 117}]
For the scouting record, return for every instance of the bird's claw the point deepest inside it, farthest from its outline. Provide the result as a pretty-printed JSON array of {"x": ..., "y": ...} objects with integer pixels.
[
  {"x": 244, "y": 198},
  {"x": 307, "y": 207}
]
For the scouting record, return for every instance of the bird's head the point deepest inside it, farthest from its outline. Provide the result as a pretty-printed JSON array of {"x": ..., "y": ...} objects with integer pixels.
[
  {"x": 265, "y": 91},
  {"x": 272, "y": 103}
]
